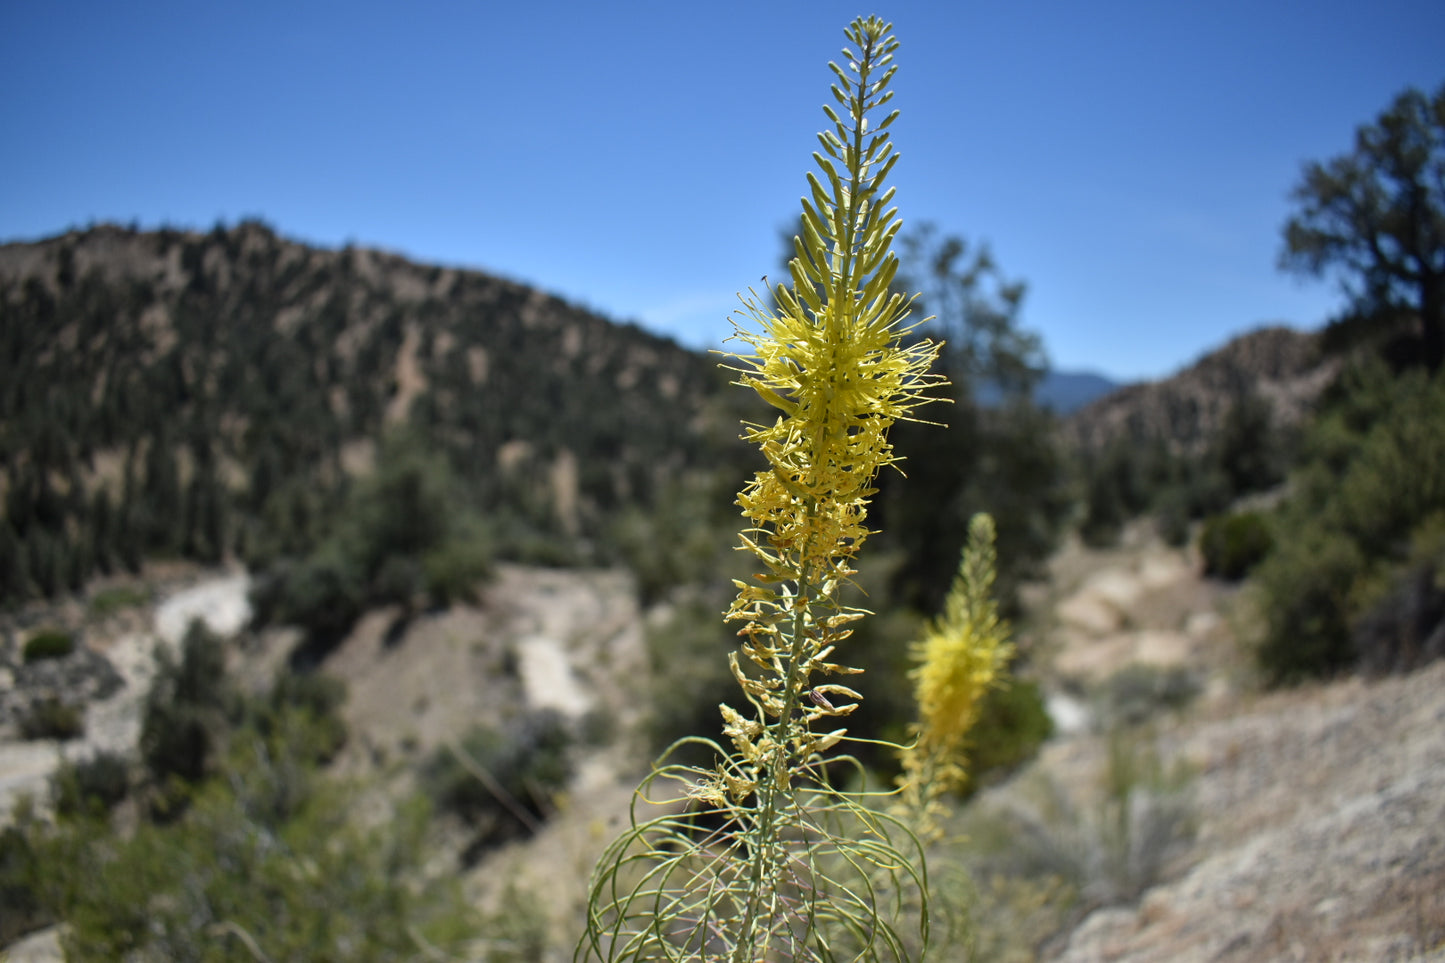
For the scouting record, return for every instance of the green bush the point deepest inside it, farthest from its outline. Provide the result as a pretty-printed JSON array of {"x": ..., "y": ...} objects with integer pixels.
[
  {"x": 1234, "y": 544},
  {"x": 307, "y": 705},
  {"x": 1012, "y": 723},
  {"x": 398, "y": 581},
  {"x": 1120, "y": 481},
  {"x": 265, "y": 863},
  {"x": 95, "y": 785},
  {"x": 188, "y": 709},
  {"x": 1395, "y": 479},
  {"x": 676, "y": 540},
  {"x": 406, "y": 507},
  {"x": 1365, "y": 498},
  {"x": 109, "y": 601},
  {"x": 503, "y": 780},
  {"x": 1139, "y": 691},
  {"x": 320, "y": 696},
  {"x": 1405, "y": 627},
  {"x": 401, "y": 537},
  {"x": 1249, "y": 451},
  {"x": 1305, "y": 585},
  {"x": 1132, "y": 476},
  {"x": 323, "y": 594},
  {"x": 50, "y": 718},
  {"x": 453, "y": 570},
  {"x": 48, "y": 643},
  {"x": 22, "y": 878}
]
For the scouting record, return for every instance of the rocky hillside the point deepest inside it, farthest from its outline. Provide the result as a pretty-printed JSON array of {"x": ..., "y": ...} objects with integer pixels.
[
  {"x": 1277, "y": 365},
  {"x": 1299, "y": 824},
  {"x": 1306, "y": 826}
]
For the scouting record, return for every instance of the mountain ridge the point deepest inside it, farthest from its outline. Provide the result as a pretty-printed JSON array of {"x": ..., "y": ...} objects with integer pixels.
[
  {"x": 213, "y": 394},
  {"x": 1283, "y": 367},
  {"x": 210, "y": 395}
]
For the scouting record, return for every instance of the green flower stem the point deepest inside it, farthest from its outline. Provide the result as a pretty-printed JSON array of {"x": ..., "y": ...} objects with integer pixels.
[{"x": 764, "y": 845}]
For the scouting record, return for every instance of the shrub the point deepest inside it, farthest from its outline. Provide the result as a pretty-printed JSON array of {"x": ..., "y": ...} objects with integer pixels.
[
  {"x": 1138, "y": 691},
  {"x": 1364, "y": 504},
  {"x": 400, "y": 534},
  {"x": 318, "y": 732},
  {"x": 1249, "y": 451},
  {"x": 94, "y": 785},
  {"x": 109, "y": 601},
  {"x": 1234, "y": 544},
  {"x": 50, "y": 718},
  {"x": 237, "y": 877},
  {"x": 321, "y": 696},
  {"x": 397, "y": 581},
  {"x": 1406, "y": 628},
  {"x": 503, "y": 780},
  {"x": 453, "y": 570},
  {"x": 1306, "y": 586},
  {"x": 1012, "y": 723},
  {"x": 49, "y": 643},
  {"x": 22, "y": 876},
  {"x": 674, "y": 541},
  {"x": 1131, "y": 476},
  {"x": 1110, "y": 851},
  {"x": 323, "y": 594},
  {"x": 186, "y": 711}
]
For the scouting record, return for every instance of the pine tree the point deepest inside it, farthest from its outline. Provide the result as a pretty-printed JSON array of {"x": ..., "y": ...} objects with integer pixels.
[
  {"x": 102, "y": 531},
  {"x": 14, "y": 567}
]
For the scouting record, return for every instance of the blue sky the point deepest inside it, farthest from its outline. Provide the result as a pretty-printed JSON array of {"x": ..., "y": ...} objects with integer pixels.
[{"x": 1131, "y": 161}]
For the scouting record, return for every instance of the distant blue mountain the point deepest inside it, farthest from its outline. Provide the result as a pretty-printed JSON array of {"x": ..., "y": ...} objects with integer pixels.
[
  {"x": 1063, "y": 392},
  {"x": 1068, "y": 391}
]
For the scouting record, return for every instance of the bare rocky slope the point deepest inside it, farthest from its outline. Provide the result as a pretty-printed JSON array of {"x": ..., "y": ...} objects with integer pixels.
[
  {"x": 1318, "y": 812},
  {"x": 1321, "y": 834}
]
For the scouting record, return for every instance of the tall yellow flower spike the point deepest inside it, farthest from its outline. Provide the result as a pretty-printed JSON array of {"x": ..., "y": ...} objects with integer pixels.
[
  {"x": 796, "y": 868},
  {"x": 961, "y": 656},
  {"x": 833, "y": 360}
]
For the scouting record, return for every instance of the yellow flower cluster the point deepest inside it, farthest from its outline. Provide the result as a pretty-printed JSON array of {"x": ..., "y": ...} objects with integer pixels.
[
  {"x": 841, "y": 380},
  {"x": 960, "y": 657}
]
